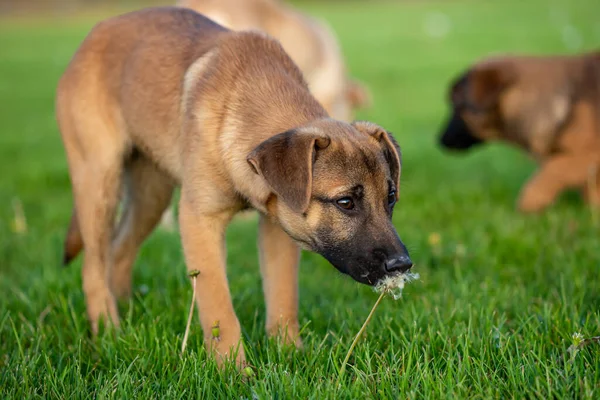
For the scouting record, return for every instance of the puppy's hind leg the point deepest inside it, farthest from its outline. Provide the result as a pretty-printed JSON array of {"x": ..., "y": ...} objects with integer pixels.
[
  {"x": 96, "y": 189},
  {"x": 148, "y": 192},
  {"x": 95, "y": 148}
]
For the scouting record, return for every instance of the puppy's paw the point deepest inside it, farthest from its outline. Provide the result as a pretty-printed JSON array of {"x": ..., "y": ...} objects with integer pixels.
[
  {"x": 287, "y": 334},
  {"x": 225, "y": 344},
  {"x": 228, "y": 353},
  {"x": 102, "y": 311},
  {"x": 120, "y": 284},
  {"x": 533, "y": 201}
]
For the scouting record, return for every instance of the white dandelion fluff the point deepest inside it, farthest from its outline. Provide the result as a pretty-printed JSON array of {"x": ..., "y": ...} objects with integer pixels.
[{"x": 393, "y": 284}]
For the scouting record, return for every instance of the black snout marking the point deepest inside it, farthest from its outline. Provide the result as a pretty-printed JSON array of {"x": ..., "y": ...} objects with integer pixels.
[{"x": 457, "y": 135}]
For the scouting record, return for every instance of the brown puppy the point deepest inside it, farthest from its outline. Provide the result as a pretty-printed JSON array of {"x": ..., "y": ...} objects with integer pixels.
[
  {"x": 309, "y": 42},
  {"x": 548, "y": 106},
  {"x": 165, "y": 97}
]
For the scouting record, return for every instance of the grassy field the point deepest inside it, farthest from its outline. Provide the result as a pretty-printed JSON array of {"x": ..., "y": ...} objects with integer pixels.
[{"x": 500, "y": 294}]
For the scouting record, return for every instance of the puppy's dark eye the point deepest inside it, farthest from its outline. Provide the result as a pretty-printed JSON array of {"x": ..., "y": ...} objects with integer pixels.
[
  {"x": 346, "y": 203},
  {"x": 392, "y": 198}
]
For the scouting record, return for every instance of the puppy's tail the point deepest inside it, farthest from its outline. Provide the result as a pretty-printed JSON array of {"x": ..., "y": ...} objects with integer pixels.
[
  {"x": 358, "y": 95},
  {"x": 73, "y": 241}
]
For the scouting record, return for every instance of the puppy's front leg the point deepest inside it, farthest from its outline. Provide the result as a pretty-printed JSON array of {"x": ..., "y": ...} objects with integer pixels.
[
  {"x": 555, "y": 175},
  {"x": 591, "y": 189},
  {"x": 279, "y": 258},
  {"x": 203, "y": 239}
]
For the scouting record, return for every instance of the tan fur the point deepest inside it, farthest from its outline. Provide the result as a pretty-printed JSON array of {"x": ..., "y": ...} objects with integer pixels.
[
  {"x": 165, "y": 97},
  {"x": 549, "y": 107},
  {"x": 311, "y": 44}
]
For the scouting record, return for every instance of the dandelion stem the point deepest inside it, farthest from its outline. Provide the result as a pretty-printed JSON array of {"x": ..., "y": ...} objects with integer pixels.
[
  {"x": 189, "y": 321},
  {"x": 358, "y": 335}
]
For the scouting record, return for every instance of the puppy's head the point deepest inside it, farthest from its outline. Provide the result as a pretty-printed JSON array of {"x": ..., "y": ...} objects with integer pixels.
[
  {"x": 334, "y": 187},
  {"x": 475, "y": 99}
]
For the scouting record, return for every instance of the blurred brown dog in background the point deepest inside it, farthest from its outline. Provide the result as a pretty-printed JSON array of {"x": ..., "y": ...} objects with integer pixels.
[
  {"x": 309, "y": 42},
  {"x": 548, "y": 106}
]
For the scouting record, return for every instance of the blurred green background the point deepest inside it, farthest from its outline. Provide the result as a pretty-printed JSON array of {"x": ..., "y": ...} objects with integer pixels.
[{"x": 500, "y": 293}]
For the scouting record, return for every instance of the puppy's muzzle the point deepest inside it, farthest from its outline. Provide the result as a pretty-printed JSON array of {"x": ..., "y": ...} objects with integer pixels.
[{"x": 457, "y": 135}]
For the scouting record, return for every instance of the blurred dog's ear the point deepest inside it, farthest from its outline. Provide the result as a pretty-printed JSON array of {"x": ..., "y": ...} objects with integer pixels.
[
  {"x": 358, "y": 95},
  {"x": 286, "y": 161},
  {"x": 485, "y": 83},
  {"x": 391, "y": 149}
]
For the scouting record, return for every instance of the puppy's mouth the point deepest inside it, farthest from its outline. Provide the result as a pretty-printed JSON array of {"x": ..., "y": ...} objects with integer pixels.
[
  {"x": 356, "y": 267},
  {"x": 459, "y": 147},
  {"x": 366, "y": 276}
]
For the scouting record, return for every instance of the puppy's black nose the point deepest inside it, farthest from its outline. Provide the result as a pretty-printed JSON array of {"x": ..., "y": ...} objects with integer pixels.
[{"x": 398, "y": 263}]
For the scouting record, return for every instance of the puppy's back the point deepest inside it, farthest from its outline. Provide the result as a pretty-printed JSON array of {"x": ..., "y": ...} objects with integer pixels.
[
  {"x": 166, "y": 39},
  {"x": 145, "y": 73},
  {"x": 129, "y": 70}
]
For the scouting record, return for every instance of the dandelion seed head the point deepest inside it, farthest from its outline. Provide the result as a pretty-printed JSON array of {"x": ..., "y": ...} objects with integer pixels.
[{"x": 393, "y": 284}]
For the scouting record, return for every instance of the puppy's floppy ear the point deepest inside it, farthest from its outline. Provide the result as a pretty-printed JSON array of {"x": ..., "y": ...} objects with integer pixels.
[
  {"x": 391, "y": 149},
  {"x": 487, "y": 82},
  {"x": 286, "y": 161}
]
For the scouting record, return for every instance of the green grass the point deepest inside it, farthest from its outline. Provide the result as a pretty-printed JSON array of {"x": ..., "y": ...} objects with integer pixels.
[{"x": 491, "y": 320}]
